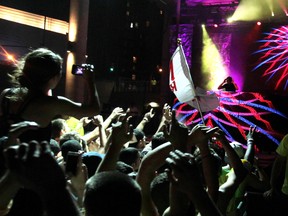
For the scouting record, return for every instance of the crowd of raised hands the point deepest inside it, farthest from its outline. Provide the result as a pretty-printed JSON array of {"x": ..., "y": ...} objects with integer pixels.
[{"x": 189, "y": 159}]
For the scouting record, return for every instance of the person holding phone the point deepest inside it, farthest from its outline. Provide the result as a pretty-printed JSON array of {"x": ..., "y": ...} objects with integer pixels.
[{"x": 28, "y": 99}]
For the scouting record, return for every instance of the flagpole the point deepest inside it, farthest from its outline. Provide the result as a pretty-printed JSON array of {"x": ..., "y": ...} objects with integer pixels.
[
  {"x": 179, "y": 42},
  {"x": 199, "y": 109}
]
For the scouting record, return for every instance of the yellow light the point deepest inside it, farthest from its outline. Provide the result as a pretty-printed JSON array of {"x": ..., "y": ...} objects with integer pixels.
[
  {"x": 248, "y": 10},
  {"x": 212, "y": 63},
  {"x": 230, "y": 20},
  {"x": 34, "y": 20}
]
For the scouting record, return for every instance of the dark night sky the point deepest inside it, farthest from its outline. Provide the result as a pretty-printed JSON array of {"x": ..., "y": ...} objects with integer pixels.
[{"x": 58, "y": 9}]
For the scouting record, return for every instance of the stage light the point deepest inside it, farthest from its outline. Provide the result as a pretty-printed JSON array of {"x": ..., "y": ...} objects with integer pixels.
[
  {"x": 10, "y": 57},
  {"x": 213, "y": 65},
  {"x": 272, "y": 14},
  {"x": 215, "y": 25},
  {"x": 258, "y": 23},
  {"x": 230, "y": 20}
]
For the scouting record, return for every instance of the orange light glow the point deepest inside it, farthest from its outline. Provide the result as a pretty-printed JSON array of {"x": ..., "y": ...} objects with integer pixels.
[
  {"x": 34, "y": 20},
  {"x": 11, "y": 57},
  {"x": 7, "y": 55}
]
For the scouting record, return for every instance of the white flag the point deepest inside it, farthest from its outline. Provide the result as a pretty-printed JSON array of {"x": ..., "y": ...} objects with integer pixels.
[
  {"x": 207, "y": 100},
  {"x": 180, "y": 80},
  {"x": 181, "y": 84}
]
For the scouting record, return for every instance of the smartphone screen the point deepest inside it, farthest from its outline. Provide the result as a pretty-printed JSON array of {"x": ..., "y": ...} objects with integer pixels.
[
  {"x": 72, "y": 163},
  {"x": 77, "y": 69}
]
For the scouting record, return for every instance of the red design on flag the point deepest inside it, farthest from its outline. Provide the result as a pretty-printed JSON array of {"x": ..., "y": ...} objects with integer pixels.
[{"x": 172, "y": 85}]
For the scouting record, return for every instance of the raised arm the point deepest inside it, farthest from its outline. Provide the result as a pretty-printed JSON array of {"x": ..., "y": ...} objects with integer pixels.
[
  {"x": 147, "y": 117},
  {"x": 166, "y": 117},
  {"x": 250, "y": 151},
  {"x": 178, "y": 136},
  {"x": 221, "y": 85},
  {"x": 200, "y": 135},
  {"x": 8, "y": 183},
  {"x": 147, "y": 170},
  {"x": 185, "y": 176},
  {"x": 29, "y": 163},
  {"x": 227, "y": 190},
  {"x": 64, "y": 106},
  {"x": 121, "y": 134},
  {"x": 115, "y": 114}
]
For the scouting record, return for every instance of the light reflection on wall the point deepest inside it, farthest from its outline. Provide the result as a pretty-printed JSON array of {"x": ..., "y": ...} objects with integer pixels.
[
  {"x": 34, "y": 20},
  {"x": 185, "y": 34}
]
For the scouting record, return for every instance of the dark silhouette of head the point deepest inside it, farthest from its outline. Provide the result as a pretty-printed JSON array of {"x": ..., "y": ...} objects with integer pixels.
[
  {"x": 229, "y": 79},
  {"x": 92, "y": 161},
  {"x": 58, "y": 127},
  {"x": 130, "y": 156},
  {"x": 123, "y": 167},
  {"x": 160, "y": 192},
  {"x": 158, "y": 139},
  {"x": 37, "y": 68},
  {"x": 112, "y": 193},
  {"x": 70, "y": 145},
  {"x": 139, "y": 139}
]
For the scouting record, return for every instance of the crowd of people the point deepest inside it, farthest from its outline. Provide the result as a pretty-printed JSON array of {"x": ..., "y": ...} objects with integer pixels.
[{"x": 51, "y": 164}]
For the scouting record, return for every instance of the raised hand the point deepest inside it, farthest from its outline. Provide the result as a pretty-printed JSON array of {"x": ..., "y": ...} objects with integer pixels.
[
  {"x": 88, "y": 71},
  {"x": 167, "y": 114},
  {"x": 118, "y": 111},
  {"x": 122, "y": 132},
  {"x": 35, "y": 167},
  {"x": 17, "y": 129},
  {"x": 200, "y": 134},
  {"x": 98, "y": 120},
  {"x": 177, "y": 135},
  {"x": 149, "y": 115},
  {"x": 250, "y": 133},
  {"x": 185, "y": 177},
  {"x": 84, "y": 121},
  {"x": 184, "y": 173}
]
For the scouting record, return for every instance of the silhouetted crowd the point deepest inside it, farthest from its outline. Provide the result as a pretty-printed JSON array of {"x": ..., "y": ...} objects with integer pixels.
[{"x": 62, "y": 157}]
